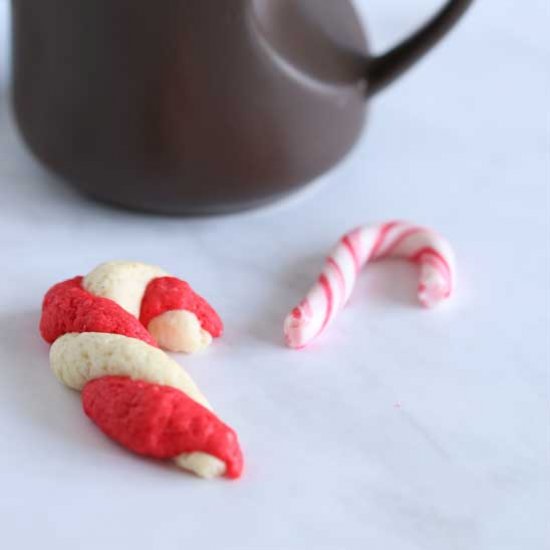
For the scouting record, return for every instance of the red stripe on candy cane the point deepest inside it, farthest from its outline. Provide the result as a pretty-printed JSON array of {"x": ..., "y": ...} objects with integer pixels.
[
  {"x": 382, "y": 234},
  {"x": 399, "y": 239},
  {"x": 428, "y": 251},
  {"x": 330, "y": 300},
  {"x": 339, "y": 275},
  {"x": 347, "y": 242}
]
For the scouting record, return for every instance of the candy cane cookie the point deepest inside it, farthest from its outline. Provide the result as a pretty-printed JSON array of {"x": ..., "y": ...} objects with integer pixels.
[
  {"x": 107, "y": 330},
  {"x": 369, "y": 243}
]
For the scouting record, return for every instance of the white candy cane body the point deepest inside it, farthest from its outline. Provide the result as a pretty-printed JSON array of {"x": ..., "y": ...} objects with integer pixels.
[{"x": 368, "y": 243}]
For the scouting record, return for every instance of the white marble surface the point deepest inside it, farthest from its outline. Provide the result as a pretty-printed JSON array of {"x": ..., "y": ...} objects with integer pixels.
[{"x": 402, "y": 429}]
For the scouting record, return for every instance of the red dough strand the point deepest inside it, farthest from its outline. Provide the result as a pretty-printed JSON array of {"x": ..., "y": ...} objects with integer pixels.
[
  {"x": 168, "y": 294},
  {"x": 67, "y": 307},
  {"x": 159, "y": 421}
]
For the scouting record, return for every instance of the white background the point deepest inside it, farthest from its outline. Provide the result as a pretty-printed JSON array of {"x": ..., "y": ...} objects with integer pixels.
[{"x": 401, "y": 429}]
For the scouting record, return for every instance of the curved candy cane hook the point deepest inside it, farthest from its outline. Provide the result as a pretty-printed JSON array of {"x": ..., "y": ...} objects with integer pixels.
[{"x": 368, "y": 243}]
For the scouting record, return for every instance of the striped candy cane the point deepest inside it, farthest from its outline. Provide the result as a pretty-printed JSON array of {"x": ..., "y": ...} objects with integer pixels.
[{"x": 368, "y": 243}]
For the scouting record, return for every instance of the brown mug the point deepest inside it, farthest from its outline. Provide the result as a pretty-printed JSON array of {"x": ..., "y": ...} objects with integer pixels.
[{"x": 198, "y": 106}]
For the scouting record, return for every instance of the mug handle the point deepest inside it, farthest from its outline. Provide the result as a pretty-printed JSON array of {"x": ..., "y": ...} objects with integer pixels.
[{"x": 384, "y": 69}]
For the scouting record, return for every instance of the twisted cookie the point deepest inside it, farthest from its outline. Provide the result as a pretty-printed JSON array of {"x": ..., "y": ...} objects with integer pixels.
[{"x": 131, "y": 389}]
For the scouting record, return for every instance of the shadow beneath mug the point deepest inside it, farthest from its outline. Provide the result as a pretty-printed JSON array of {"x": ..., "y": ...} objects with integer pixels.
[{"x": 389, "y": 283}]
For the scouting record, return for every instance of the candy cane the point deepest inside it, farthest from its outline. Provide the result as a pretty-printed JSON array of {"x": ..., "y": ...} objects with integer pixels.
[
  {"x": 335, "y": 284},
  {"x": 131, "y": 389}
]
